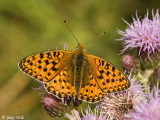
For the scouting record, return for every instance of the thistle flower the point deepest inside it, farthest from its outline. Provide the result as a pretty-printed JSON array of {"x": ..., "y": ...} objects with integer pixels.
[
  {"x": 55, "y": 107},
  {"x": 88, "y": 115},
  {"x": 143, "y": 34},
  {"x": 148, "y": 110},
  {"x": 97, "y": 115},
  {"x": 74, "y": 115},
  {"x": 120, "y": 105}
]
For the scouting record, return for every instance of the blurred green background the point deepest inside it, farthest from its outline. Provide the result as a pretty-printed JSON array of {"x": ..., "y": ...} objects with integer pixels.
[{"x": 29, "y": 26}]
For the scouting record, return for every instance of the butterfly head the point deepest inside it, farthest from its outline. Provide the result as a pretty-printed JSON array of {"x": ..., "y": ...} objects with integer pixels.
[
  {"x": 79, "y": 49},
  {"x": 80, "y": 46}
]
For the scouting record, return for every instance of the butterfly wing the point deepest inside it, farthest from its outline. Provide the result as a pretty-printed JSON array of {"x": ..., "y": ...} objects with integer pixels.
[
  {"x": 108, "y": 77},
  {"x": 54, "y": 69},
  {"x": 61, "y": 85},
  {"x": 89, "y": 90},
  {"x": 46, "y": 65}
]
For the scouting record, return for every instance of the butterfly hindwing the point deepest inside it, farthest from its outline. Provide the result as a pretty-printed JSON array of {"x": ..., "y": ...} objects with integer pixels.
[
  {"x": 91, "y": 93},
  {"x": 61, "y": 86},
  {"x": 45, "y": 65},
  {"x": 89, "y": 90},
  {"x": 108, "y": 77}
]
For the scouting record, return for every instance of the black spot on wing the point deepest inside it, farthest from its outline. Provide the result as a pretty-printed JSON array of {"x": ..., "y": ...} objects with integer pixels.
[
  {"x": 41, "y": 55},
  {"x": 47, "y": 62}
]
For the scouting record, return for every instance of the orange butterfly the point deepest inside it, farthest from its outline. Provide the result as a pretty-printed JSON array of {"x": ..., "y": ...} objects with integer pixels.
[{"x": 74, "y": 74}]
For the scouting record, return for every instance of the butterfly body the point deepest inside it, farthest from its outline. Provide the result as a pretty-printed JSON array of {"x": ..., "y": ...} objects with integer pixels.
[
  {"x": 78, "y": 63},
  {"x": 68, "y": 74}
]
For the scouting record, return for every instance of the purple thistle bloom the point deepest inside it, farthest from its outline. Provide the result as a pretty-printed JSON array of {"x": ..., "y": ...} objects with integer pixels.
[
  {"x": 97, "y": 115},
  {"x": 143, "y": 34},
  {"x": 88, "y": 115},
  {"x": 74, "y": 115},
  {"x": 148, "y": 110}
]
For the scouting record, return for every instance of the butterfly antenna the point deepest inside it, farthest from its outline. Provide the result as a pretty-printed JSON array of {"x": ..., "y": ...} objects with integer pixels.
[
  {"x": 70, "y": 30},
  {"x": 96, "y": 37}
]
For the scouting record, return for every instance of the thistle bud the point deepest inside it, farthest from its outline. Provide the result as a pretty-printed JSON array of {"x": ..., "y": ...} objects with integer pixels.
[
  {"x": 151, "y": 61},
  {"x": 55, "y": 107},
  {"x": 129, "y": 63},
  {"x": 154, "y": 78}
]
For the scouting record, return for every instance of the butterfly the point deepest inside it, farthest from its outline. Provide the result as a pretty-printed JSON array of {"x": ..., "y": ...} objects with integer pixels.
[{"x": 71, "y": 74}]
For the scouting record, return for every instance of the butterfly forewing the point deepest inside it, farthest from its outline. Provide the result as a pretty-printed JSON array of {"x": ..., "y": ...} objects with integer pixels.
[
  {"x": 46, "y": 65},
  {"x": 108, "y": 77}
]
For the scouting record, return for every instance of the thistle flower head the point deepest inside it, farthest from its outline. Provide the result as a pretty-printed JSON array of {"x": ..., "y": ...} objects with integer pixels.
[
  {"x": 143, "y": 34},
  {"x": 149, "y": 110},
  {"x": 74, "y": 115},
  {"x": 97, "y": 115},
  {"x": 88, "y": 115},
  {"x": 54, "y": 106},
  {"x": 121, "y": 104}
]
